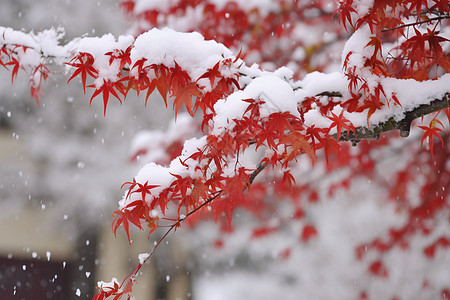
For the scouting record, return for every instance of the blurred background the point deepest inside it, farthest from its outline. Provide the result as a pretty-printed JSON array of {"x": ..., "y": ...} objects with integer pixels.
[{"x": 62, "y": 165}]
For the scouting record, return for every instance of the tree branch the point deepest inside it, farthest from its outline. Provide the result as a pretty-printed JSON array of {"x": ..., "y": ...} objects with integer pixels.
[
  {"x": 442, "y": 17},
  {"x": 364, "y": 133},
  {"x": 255, "y": 173}
]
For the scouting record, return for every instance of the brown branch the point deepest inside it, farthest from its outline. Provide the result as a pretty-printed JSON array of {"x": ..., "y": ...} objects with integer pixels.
[
  {"x": 330, "y": 94},
  {"x": 255, "y": 173},
  {"x": 364, "y": 133}
]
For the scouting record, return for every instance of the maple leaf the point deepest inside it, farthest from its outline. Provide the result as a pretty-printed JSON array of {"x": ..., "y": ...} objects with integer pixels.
[
  {"x": 211, "y": 74},
  {"x": 267, "y": 136},
  {"x": 134, "y": 212},
  {"x": 42, "y": 72},
  {"x": 234, "y": 189},
  {"x": 123, "y": 56},
  {"x": 131, "y": 187},
  {"x": 182, "y": 89},
  {"x": 119, "y": 218},
  {"x": 106, "y": 292},
  {"x": 152, "y": 223},
  {"x": 431, "y": 131},
  {"x": 434, "y": 43},
  {"x": 83, "y": 67},
  {"x": 35, "y": 92},
  {"x": 417, "y": 51},
  {"x": 161, "y": 82},
  {"x": 373, "y": 104},
  {"x": 288, "y": 178},
  {"x": 140, "y": 65},
  {"x": 106, "y": 88},
  {"x": 298, "y": 145},
  {"x": 345, "y": 11},
  {"x": 341, "y": 122},
  {"x": 144, "y": 189},
  {"x": 440, "y": 5},
  {"x": 314, "y": 134},
  {"x": 353, "y": 79},
  {"x": 184, "y": 95},
  {"x": 376, "y": 43},
  {"x": 14, "y": 62}
]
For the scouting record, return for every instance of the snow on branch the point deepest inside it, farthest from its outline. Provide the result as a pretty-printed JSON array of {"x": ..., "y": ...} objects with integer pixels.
[
  {"x": 244, "y": 108},
  {"x": 404, "y": 125}
]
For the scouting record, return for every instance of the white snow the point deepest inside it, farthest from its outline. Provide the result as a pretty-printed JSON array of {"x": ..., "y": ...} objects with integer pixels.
[
  {"x": 189, "y": 50},
  {"x": 97, "y": 47},
  {"x": 110, "y": 285},
  {"x": 142, "y": 257}
]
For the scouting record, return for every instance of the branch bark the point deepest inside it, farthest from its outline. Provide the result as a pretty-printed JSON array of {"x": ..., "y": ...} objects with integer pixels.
[{"x": 404, "y": 125}]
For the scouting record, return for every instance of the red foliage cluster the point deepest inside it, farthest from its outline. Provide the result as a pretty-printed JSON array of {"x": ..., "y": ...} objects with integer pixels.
[
  {"x": 265, "y": 36},
  {"x": 419, "y": 56},
  {"x": 38, "y": 74},
  {"x": 172, "y": 82}
]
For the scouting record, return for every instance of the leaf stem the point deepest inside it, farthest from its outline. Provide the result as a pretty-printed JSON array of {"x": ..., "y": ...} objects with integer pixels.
[{"x": 442, "y": 17}]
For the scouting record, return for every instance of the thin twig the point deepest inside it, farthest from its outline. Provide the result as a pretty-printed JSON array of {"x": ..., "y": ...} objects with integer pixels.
[
  {"x": 417, "y": 23},
  {"x": 133, "y": 274}
]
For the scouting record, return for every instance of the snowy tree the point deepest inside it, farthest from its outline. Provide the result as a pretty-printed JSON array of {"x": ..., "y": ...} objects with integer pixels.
[{"x": 271, "y": 91}]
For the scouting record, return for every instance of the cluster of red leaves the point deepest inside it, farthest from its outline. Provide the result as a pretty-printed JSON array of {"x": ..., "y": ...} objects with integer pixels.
[
  {"x": 257, "y": 32},
  {"x": 282, "y": 133},
  {"x": 9, "y": 57},
  {"x": 434, "y": 199},
  {"x": 177, "y": 84},
  {"x": 116, "y": 290},
  {"x": 419, "y": 55},
  {"x": 287, "y": 137},
  {"x": 136, "y": 210},
  {"x": 170, "y": 82},
  {"x": 106, "y": 292}
]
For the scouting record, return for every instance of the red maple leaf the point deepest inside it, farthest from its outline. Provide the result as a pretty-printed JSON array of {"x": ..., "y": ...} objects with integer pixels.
[
  {"x": 123, "y": 56},
  {"x": 211, "y": 74},
  {"x": 430, "y": 132},
  {"x": 144, "y": 189},
  {"x": 106, "y": 88},
  {"x": 16, "y": 65},
  {"x": 84, "y": 66},
  {"x": 341, "y": 122},
  {"x": 345, "y": 11},
  {"x": 183, "y": 89}
]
